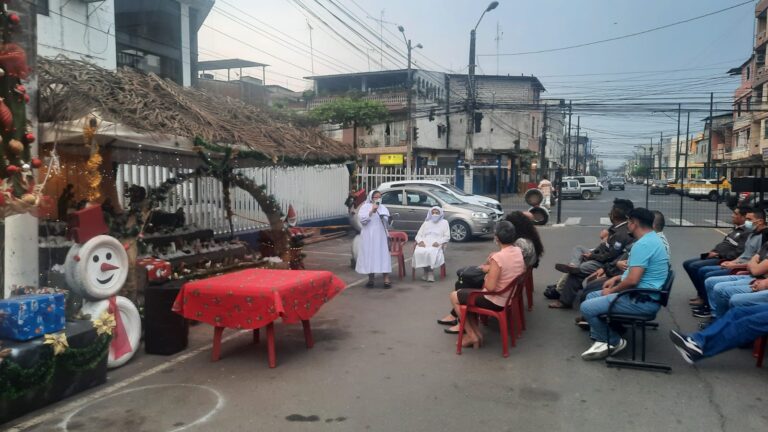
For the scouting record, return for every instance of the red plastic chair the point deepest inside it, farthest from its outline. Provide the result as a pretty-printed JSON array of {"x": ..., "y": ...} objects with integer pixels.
[
  {"x": 397, "y": 239},
  {"x": 512, "y": 311},
  {"x": 442, "y": 267},
  {"x": 759, "y": 350}
]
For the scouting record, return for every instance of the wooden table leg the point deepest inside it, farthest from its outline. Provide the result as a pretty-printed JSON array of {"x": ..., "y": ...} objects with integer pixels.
[
  {"x": 271, "y": 344},
  {"x": 255, "y": 336},
  {"x": 307, "y": 334},
  {"x": 216, "y": 351}
]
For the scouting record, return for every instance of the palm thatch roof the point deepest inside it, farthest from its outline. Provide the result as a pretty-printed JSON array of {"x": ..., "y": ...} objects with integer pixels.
[{"x": 73, "y": 89}]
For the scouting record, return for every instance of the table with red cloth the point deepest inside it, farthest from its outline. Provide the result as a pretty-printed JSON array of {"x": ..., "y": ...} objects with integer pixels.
[{"x": 255, "y": 298}]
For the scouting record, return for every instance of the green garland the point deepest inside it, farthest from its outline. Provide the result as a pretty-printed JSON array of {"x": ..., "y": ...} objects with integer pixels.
[{"x": 16, "y": 380}]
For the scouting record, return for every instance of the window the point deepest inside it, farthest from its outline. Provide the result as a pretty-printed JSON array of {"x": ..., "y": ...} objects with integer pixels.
[
  {"x": 391, "y": 198},
  {"x": 738, "y": 109},
  {"x": 749, "y": 103},
  {"x": 41, "y": 6},
  {"x": 420, "y": 199},
  {"x": 765, "y": 129}
]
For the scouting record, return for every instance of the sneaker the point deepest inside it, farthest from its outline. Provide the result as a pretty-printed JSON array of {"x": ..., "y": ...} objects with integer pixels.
[
  {"x": 598, "y": 350},
  {"x": 618, "y": 347},
  {"x": 567, "y": 268},
  {"x": 696, "y": 302},
  {"x": 431, "y": 277},
  {"x": 703, "y": 312},
  {"x": 582, "y": 324},
  {"x": 688, "y": 349}
]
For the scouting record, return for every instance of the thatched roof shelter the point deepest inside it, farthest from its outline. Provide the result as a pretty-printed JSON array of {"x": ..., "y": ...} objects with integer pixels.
[{"x": 71, "y": 90}]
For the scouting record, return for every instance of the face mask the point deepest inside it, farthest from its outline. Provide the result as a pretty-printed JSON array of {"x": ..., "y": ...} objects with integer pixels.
[
  {"x": 434, "y": 218},
  {"x": 749, "y": 225},
  {"x": 377, "y": 201}
]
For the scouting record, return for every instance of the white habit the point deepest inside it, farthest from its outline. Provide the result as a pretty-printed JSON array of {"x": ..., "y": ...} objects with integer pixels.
[
  {"x": 373, "y": 256},
  {"x": 433, "y": 230}
]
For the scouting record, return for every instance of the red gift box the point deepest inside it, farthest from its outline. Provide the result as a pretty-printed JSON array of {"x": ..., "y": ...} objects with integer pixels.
[{"x": 157, "y": 270}]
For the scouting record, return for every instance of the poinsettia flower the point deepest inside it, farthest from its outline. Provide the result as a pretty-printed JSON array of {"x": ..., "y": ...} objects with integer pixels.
[
  {"x": 105, "y": 323},
  {"x": 58, "y": 341}
]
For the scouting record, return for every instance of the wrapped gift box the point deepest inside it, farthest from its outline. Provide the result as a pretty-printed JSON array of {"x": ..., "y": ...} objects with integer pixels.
[
  {"x": 157, "y": 270},
  {"x": 30, "y": 316}
]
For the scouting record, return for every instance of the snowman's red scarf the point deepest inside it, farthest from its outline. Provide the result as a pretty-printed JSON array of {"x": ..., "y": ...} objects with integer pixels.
[{"x": 120, "y": 344}]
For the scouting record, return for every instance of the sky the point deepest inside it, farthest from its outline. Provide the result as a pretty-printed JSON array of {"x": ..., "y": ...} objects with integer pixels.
[{"x": 625, "y": 91}]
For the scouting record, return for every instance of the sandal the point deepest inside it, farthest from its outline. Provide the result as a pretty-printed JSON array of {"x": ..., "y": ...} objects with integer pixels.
[
  {"x": 557, "y": 305},
  {"x": 387, "y": 285},
  {"x": 452, "y": 322}
]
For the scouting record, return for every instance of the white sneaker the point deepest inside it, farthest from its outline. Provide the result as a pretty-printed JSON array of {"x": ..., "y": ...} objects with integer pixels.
[
  {"x": 619, "y": 347},
  {"x": 598, "y": 350},
  {"x": 430, "y": 277}
]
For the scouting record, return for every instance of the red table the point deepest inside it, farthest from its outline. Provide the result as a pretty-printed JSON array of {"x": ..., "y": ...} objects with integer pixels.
[{"x": 255, "y": 298}]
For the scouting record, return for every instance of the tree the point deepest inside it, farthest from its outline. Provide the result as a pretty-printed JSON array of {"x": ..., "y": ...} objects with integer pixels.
[{"x": 354, "y": 113}]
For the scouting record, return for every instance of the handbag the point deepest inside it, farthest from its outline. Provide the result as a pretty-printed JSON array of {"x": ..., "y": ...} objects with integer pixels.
[{"x": 470, "y": 277}]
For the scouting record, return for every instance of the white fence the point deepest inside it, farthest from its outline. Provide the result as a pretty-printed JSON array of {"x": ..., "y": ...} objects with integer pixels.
[
  {"x": 316, "y": 193},
  {"x": 374, "y": 176}
]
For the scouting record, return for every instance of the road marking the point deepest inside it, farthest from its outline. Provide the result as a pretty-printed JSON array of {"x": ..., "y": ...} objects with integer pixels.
[
  {"x": 331, "y": 253},
  {"x": 721, "y": 232},
  {"x": 605, "y": 221},
  {"x": 573, "y": 221},
  {"x": 718, "y": 223},
  {"x": 682, "y": 222}
]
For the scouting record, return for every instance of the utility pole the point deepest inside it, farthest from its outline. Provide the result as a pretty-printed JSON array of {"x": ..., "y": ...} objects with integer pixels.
[
  {"x": 543, "y": 147},
  {"x": 661, "y": 139},
  {"x": 499, "y": 33},
  {"x": 312, "y": 50},
  {"x": 578, "y": 141},
  {"x": 409, "y": 86},
  {"x": 677, "y": 152},
  {"x": 568, "y": 151},
  {"x": 709, "y": 145}
]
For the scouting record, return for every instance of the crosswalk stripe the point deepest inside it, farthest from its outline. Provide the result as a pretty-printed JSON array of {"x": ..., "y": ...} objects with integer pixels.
[
  {"x": 719, "y": 223},
  {"x": 605, "y": 221},
  {"x": 573, "y": 221},
  {"x": 682, "y": 222}
]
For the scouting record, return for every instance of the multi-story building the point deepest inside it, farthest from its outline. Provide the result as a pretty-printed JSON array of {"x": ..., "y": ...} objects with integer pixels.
[{"x": 158, "y": 36}]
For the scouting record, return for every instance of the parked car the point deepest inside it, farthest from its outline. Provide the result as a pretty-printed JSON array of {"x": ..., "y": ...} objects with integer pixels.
[
  {"x": 451, "y": 189},
  {"x": 659, "y": 187},
  {"x": 707, "y": 188},
  {"x": 617, "y": 183},
  {"x": 589, "y": 187},
  {"x": 410, "y": 204}
]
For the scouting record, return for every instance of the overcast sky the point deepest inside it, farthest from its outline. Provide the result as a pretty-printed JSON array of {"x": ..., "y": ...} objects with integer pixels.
[{"x": 682, "y": 63}]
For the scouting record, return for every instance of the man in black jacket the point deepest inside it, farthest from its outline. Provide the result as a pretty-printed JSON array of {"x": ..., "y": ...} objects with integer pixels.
[{"x": 728, "y": 249}]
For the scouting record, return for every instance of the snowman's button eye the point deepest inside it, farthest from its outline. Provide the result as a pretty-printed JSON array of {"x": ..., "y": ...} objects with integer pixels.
[
  {"x": 95, "y": 258},
  {"x": 109, "y": 256}
]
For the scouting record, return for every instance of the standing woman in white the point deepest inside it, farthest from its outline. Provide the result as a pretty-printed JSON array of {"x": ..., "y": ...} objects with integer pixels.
[
  {"x": 374, "y": 247},
  {"x": 433, "y": 235}
]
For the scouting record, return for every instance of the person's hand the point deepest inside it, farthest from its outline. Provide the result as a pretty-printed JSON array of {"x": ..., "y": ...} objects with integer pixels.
[
  {"x": 759, "y": 285},
  {"x": 587, "y": 255},
  {"x": 421, "y": 244},
  {"x": 728, "y": 264},
  {"x": 435, "y": 244},
  {"x": 712, "y": 254},
  {"x": 622, "y": 265},
  {"x": 608, "y": 284},
  {"x": 598, "y": 273},
  {"x": 485, "y": 268},
  {"x": 374, "y": 208}
]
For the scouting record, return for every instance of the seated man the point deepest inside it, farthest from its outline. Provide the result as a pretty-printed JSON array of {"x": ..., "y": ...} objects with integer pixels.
[
  {"x": 726, "y": 287},
  {"x": 730, "y": 248},
  {"x": 648, "y": 266},
  {"x": 714, "y": 275},
  {"x": 738, "y": 327}
]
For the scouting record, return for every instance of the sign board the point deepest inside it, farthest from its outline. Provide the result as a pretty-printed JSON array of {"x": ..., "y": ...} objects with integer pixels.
[
  {"x": 391, "y": 159},
  {"x": 432, "y": 162}
]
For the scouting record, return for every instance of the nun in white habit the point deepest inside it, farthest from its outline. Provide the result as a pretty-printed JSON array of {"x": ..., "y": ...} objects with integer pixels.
[
  {"x": 373, "y": 256},
  {"x": 430, "y": 240}
]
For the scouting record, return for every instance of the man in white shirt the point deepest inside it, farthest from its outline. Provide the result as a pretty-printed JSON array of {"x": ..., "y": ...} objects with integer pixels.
[{"x": 545, "y": 186}]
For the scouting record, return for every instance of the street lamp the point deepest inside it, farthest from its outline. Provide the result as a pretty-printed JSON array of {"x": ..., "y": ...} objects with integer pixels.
[
  {"x": 409, "y": 86},
  {"x": 469, "y": 151}
]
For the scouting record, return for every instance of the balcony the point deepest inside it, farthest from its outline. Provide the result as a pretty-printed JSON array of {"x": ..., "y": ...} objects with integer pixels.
[
  {"x": 743, "y": 122},
  {"x": 738, "y": 153},
  {"x": 394, "y": 101},
  {"x": 760, "y": 39},
  {"x": 761, "y": 7},
  {"x": 761, "y": 76}
]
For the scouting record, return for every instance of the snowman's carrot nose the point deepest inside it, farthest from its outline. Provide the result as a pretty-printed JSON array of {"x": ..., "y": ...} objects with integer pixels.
[{"x": 108, "y": 267}]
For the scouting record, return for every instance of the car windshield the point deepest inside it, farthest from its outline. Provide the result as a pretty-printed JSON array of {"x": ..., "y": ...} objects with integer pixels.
[
  {"x": 617, "y": 179},
  {"x": 455, "y": 190},
  {"x": 446, "y": 197}
]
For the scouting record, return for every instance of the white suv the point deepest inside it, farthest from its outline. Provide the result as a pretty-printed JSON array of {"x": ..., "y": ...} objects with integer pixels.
[{"x": 451, "y": 189}]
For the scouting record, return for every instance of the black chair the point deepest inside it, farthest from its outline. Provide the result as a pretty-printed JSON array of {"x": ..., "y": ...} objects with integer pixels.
[{"x": 639, "y": 321}]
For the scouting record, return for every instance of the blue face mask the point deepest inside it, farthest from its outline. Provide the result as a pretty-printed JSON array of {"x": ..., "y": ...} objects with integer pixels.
[{"x": 749, "y": 225}]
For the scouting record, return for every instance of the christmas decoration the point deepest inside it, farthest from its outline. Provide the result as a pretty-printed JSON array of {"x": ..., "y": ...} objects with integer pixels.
[
  {"x": 93, "y": 166},
  {"x": 58, "y": 342},
  {"x": 105, "y": 323},
  {"x": 36, "y": 163}
]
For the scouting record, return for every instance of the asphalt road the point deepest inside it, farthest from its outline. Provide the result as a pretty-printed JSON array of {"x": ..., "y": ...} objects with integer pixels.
[{"x": 381, "y": 363}]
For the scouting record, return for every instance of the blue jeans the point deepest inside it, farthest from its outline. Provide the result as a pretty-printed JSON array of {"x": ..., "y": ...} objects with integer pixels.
[
  {"x": 749, "y": 299},
  {"x": 738, "y": 327},
  {"x": 707, "y": 272},
  {"x": 692, "y": 267},
  {"x": 597, "y": 304},
  {"x": 724, "y": 291},
  {"x": 716, "y": 304}
]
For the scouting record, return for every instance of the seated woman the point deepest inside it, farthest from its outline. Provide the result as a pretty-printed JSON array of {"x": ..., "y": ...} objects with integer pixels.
[
  {"x": 505, "y": 265},
  {"x": 528, "y": 239},
  {"x": 432, "y": 236}
]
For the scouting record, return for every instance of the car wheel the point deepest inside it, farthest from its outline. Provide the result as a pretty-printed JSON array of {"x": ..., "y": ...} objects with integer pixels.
[
  {"x": 712, "y": 196},
  {"x": 460, "y": 231},
  {"x": 586, "y": 195},
  {"x": 697, "y": 198}
]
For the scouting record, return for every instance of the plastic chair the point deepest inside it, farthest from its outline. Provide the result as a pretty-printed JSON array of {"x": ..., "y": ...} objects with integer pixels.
[
  {"x": 505, "y": 317},
  {"x": 442, "y": 267},
  {"x": 759, "y": 351},
  {"x": 397, "y": 239}
]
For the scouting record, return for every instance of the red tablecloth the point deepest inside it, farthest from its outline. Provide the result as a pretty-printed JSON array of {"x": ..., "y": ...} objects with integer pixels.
[{"x": 251, "y": 299}]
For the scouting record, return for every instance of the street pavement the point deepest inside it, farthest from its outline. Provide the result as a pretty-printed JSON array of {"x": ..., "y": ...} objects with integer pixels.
[{"x": 381, "y": 363}]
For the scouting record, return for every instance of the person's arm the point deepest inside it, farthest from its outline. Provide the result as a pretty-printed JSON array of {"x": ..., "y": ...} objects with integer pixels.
[
  {"x": 364, "y": 214},
  {"x": 446, "y": 234},
  {"x": 492, "y": 278},
  {"x": 759, "y": 285},
  {"x": 631, "y": 281},
  {"x": 758, "y": 268},
  {"x": 420, "y": 236}
]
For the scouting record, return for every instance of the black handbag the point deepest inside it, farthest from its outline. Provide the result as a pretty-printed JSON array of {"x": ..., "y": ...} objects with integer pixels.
[{"x": 470, "y": 277}]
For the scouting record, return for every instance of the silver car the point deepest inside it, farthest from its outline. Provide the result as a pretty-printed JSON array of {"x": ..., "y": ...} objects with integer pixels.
[{"x": 410, "y": 205}]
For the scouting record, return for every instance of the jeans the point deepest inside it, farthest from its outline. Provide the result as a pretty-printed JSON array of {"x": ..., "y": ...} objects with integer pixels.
[
  {"x": 738, "y": 327},
  {"x": 692, "y": 267},
  {"x": 749, "y": 299},
  {"x": 707, "y": 272},
  {"x": 716, "y": 304},
  {"x": 597, "y": 304},
  {"x": 724, "y": 291}
]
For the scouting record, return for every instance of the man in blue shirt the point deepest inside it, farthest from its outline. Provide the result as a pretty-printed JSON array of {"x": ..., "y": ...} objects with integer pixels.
[{"x": 648, "y": 268}]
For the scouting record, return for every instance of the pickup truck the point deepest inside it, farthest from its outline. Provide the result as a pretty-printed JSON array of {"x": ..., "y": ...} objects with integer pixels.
[
  {"x": 712, "y": 189},
  {"x": 571, "y": 188},
  {"x": 588, "y": 186}
]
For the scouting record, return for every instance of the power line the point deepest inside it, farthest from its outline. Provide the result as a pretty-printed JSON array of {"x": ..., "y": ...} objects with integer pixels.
[{"x": 623, "y": 36}]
